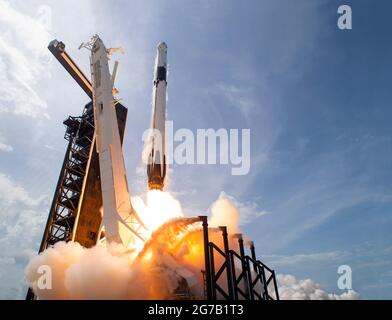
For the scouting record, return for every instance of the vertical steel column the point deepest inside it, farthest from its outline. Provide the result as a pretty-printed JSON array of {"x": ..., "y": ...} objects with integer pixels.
[
  {"x": 203, "y": 219},
  {"x": 245, "y": 268},
  {"x": 276, "y": 286},
  {"x": 253, "y": 255},
  {"x": 212, "y": 271},
  {"x": 264, "y": 283},
  {"x": 257, "y": 268},
  {"x": 233, "y": 272},
  {"x": 229, "y": 272}
]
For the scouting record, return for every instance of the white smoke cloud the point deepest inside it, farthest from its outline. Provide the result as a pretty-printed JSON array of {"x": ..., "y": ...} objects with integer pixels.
[
  {"x": 107, "y": 273},
  {"x": 227, "y": 210},
  {"x": 240, "y": 213},
  {"x": 171, "y": 256},
  {"x": 166, "y": 260},
  {"x": 113, "y": 269},
  {"x": 224, "y": 213},
  {"x": 290, "y": 288},
  {"x": 80, "y": 273}
]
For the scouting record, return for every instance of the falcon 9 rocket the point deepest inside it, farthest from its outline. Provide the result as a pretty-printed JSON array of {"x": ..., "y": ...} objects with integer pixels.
[{"x": 156, "y": 166}]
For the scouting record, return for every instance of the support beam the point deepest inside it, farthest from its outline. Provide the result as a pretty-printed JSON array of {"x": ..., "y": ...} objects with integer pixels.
[
  {"x": 229, "y": 273},
  {"x": 245, "y": 267},
  {"x": 203, "y": 219},
  {"x": 57, "y": 48}
]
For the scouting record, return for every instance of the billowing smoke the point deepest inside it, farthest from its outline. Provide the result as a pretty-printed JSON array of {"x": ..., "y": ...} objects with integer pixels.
[
  {"x": 170, "y": 262},
  {"x": 168, "y": 266},
  {"x": 290, "y": 288},
  {"x": 113, "y": 273},
  {"x": 79, "y": 273},
  {"x": 224, "y": 213}
]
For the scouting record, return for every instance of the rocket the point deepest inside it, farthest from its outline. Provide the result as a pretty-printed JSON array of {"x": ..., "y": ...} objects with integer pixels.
[
  {"x": 120, "y": 221},
  {"x": 156, "y": 165}
]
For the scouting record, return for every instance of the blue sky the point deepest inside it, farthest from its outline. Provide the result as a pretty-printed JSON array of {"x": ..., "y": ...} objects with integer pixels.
[{"x": 316, "y": 99}]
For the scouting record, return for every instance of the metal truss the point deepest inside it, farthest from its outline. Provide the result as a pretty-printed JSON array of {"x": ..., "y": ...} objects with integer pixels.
[
  {"x": 64, "y": 210},
  {"x": 240, "y": 276}
]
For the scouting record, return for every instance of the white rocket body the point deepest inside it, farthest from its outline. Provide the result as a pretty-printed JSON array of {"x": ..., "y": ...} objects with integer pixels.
[
  {"x": 120, "y": 221},
  {"x": 156, "y": 167}
]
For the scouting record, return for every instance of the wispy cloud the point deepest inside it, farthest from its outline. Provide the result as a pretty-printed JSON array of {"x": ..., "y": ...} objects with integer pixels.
[
  {"x": 21, "y": 215},
  {"x": 5, "y": 147},
  {"x": 305, "y": 259},
  {"x": 12, "y": 193},
  {"x": 238, "y": 97},
  {"x": 22, "y": 62}
]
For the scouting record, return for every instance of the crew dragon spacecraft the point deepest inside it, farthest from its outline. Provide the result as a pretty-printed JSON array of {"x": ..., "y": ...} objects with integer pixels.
[{"x": 156, "y": 163}]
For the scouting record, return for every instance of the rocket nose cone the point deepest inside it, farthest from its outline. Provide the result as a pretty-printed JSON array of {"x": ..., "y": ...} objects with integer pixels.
[{"x": 162, "y": 46}]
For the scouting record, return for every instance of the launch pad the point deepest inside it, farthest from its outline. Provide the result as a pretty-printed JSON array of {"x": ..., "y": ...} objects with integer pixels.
[{"x": 75, "y": 213}]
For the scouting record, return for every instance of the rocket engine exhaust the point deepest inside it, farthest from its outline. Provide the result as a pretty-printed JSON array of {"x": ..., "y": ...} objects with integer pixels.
[{"x": 156, "y": 165}]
